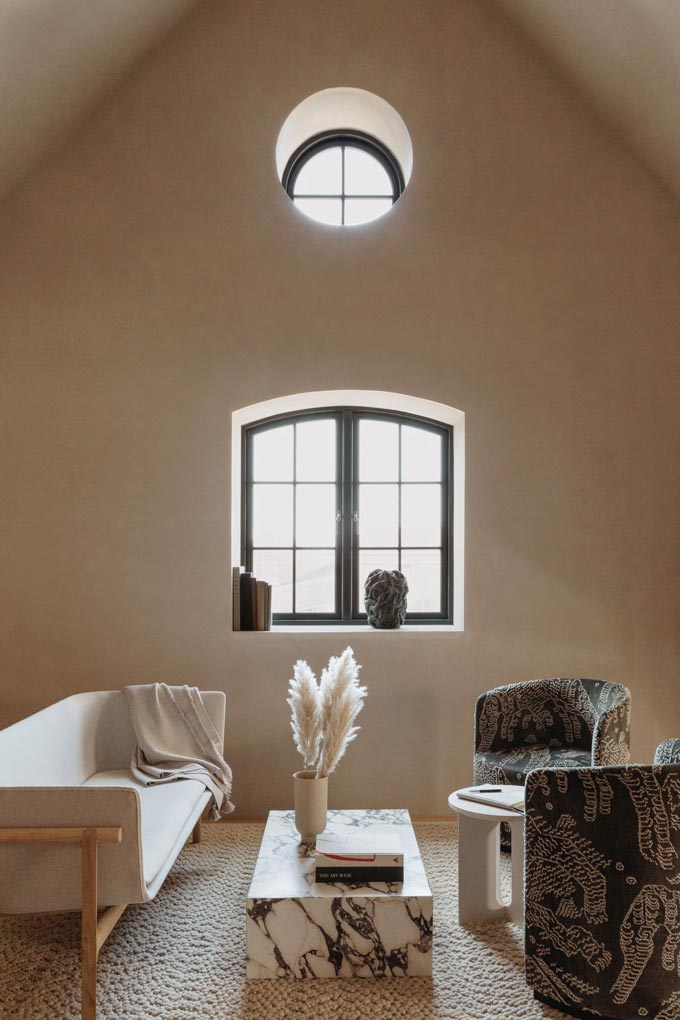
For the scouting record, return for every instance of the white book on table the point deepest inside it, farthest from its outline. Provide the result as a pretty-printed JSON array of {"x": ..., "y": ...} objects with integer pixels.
[
  {"x": 372, "y": 850},
  {"x": 508, "y": 798}
]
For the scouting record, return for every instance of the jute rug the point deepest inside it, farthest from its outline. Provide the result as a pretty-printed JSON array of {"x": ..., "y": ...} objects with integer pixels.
[{"x": 182, "y": 956}]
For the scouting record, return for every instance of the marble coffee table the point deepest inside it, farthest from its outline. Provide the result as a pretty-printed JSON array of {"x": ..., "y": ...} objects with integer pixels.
[{"x": 298, "y": 928}]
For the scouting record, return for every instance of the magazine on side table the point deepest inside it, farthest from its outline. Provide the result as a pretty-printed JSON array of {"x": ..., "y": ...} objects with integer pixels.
[{"x": 509, "y": 798}]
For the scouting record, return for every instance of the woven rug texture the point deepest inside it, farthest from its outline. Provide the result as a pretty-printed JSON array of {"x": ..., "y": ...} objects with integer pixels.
[{"x": 182, "y": 957}]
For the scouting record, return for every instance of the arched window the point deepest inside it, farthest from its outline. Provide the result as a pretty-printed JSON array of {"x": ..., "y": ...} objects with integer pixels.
[
  {"x": 343, "y": 178},
  {"x": 330, "y": 493}
]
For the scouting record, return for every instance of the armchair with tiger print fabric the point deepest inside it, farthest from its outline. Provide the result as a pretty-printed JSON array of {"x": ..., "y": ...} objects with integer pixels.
[
  {"x": 552, "y": 723},
  {"x": 602, "y": 893}
]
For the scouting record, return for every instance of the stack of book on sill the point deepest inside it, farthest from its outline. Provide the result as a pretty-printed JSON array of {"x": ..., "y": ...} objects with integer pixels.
[
  {"x": 251, "y": 601},
  {"x": 361, "y": 859}
]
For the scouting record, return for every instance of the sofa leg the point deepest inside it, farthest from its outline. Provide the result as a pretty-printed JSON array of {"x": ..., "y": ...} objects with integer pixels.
[
  {"x": 89, "y": 926},
  {"x": 94, "y": 933},
  {"x": 196, "y": 834}
]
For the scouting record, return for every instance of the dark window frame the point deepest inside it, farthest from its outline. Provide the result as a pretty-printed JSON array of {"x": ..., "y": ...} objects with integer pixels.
[
  {"x": 348, "y": 598},
  {"x": 343, "y": 139}
]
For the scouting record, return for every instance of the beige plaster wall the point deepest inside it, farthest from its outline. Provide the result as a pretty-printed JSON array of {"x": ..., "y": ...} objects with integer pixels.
[
  {"x": 154, "y": 277},
  {"x": 58, "y": 59}
]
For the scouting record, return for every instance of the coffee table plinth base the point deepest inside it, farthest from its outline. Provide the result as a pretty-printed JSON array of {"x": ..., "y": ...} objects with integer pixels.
[{"x": 339, "y": 938}]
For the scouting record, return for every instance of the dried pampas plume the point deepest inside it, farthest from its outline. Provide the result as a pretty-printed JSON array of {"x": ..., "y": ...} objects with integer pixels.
[
  {"x": 341, "y": 701},
  {"x": 322, "y": 716},
  {"x": 305, "y": 712}
]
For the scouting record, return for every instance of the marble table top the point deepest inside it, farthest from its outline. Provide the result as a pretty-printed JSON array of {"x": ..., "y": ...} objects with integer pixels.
[{"x": 285, "y": 868}]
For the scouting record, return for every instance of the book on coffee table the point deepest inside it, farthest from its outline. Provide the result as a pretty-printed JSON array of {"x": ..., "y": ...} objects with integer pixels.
[
  {"x": 509, "y": 798},
  {"x": 375, "y": 857}
]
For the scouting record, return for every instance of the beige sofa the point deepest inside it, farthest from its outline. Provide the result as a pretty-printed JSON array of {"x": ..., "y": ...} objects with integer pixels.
[{"x": 77, "y": 832}]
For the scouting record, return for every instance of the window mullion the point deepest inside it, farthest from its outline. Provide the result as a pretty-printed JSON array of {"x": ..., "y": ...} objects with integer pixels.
[
  {"x": 342, "y": 189},
  {"x": 347, "y": 531},
  {"x": 399, "y": 493}
]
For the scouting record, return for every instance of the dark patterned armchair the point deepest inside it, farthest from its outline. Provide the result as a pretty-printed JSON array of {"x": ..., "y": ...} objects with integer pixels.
[
  {"x": 602, "y": 895},
  {"x": 560, "y": 723}
]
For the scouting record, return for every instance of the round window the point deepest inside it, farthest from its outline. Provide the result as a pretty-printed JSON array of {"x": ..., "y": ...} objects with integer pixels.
[
  {"x": 343, "y": 178},
  {"x": 344, "y": 156}
]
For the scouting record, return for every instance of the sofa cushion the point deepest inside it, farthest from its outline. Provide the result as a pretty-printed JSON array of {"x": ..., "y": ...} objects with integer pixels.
[
  {"x": 511, "y": 766},
  {"x": 164, "y": 812}
]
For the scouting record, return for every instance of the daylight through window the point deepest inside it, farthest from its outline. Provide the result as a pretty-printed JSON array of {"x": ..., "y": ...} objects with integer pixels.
[
  {"x": 330, "y": 495},
  {"x": 343, "y": 179}
]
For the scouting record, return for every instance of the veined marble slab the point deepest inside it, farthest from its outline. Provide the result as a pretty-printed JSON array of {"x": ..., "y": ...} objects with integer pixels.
[{"x": 298, "y": 928}]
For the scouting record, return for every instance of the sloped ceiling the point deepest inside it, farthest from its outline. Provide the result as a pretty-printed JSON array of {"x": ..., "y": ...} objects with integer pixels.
[
  {"x": 58, "y": 60},
  {"x": 624, "y": 57}
]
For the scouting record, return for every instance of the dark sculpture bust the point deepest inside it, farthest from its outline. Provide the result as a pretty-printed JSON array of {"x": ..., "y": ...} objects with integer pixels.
[{"x": 385, "y": 594}]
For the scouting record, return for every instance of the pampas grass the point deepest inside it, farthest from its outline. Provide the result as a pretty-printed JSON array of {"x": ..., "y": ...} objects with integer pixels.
[
  {"x": 341, "y": 701},
  {"x": 305, "y": 713},
  {"x": 322, "y": 716}
]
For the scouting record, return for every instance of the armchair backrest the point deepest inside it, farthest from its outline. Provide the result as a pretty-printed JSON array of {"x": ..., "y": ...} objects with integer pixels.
[
  {"x": 602, "y": 871},
  {"x": 558, "y": 711},
  {"x": 66, "y": 743}
]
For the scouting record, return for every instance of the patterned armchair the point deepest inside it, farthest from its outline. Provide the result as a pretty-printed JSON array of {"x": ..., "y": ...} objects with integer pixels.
[
  {"x": 557, "y": 723},
  {"x": 602, "y": 896}
]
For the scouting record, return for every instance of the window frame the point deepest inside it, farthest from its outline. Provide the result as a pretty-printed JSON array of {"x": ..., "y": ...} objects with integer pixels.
[
  {"x": 344, "y": 138},
  {"x": 348, "y": 594}
]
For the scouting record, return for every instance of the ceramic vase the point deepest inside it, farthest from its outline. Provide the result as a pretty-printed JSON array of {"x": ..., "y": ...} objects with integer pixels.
[{"x": 311, "y": 804}]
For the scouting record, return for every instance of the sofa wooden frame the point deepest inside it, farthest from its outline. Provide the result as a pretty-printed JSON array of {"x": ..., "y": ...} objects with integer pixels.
[{"x": 95, "y": 929}]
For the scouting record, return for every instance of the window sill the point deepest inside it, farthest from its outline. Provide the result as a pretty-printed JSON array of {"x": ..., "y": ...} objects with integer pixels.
[{"x": 409, "y": 628}]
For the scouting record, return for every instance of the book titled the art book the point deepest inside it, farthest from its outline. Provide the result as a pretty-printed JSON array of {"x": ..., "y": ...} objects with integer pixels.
[{"x": 367, "y": 858}]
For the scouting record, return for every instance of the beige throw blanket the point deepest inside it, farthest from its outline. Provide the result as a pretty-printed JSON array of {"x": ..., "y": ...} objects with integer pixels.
[{"x": 176, "y": 739}]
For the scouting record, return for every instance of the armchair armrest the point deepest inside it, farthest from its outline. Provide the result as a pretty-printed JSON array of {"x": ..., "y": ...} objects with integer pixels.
[
  {"x": 667, "y": 752},
  {"x": 602, "y": 896},
  {"x": 611, "y": 737},
  {"x": 45, "y": 876}
]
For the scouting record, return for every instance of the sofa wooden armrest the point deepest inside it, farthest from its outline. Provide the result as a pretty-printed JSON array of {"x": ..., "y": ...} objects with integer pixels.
[
  {"x": 44, "y": 875},
  {"x": 94, "y": 930}
]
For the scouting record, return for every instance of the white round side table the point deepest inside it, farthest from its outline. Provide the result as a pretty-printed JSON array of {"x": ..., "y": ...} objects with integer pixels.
[{"x": 479, "y": 848}]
